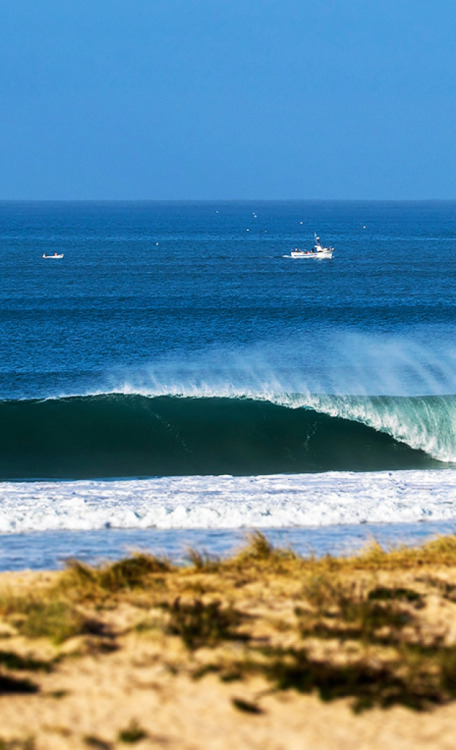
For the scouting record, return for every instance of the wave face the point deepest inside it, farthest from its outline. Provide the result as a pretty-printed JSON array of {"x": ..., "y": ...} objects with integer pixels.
[{"x": 130, "y": 435}]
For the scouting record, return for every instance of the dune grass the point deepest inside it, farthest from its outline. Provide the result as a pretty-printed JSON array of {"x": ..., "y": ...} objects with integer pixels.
[
  {"x": 130, "y": 573},
  {"x": 360, "y": 627}
]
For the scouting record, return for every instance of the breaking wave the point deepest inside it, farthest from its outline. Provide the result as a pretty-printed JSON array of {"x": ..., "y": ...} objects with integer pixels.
[{"x": 132, "y": 435}]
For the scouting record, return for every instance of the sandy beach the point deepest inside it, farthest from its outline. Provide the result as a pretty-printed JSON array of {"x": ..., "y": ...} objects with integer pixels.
[{"x": 264, "y": 650}]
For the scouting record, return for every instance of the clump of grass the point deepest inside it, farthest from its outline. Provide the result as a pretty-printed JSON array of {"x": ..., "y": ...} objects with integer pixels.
[
  {"x": 129, "y": 573},
  {"x": 440, "y": 551},
  {"x": 260, "y": 552},
  {"x": 11, "y": 660},
  {"x": 443, "y": 548},
  {"x": 247, "y": 707},
  {"x": 320, "y": 590},
  {"x": 258, "y": 547},
  {"x": 56, "y": 619},
  {"x": 132, "y": 572},
  {"x": 347, "y": 610},
  {"x": 202, "y": 561},
  {"x": 95, "y": 742},
  {"x": 231, "y": 675},
  {"x": 200, "y": 624},
  {"x": 133, "y": 733},
  {"x": 372, "y": 615}
]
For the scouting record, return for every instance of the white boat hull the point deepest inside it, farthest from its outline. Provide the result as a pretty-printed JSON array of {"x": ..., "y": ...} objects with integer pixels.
[{"x": 317, "y": 254}]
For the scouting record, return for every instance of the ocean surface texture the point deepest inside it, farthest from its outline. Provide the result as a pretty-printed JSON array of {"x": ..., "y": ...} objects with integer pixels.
[{"x": 178, "y": 370}]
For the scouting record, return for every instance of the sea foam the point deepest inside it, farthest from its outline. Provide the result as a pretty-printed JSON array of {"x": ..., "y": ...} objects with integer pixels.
[{"x": 226, "y": 502}]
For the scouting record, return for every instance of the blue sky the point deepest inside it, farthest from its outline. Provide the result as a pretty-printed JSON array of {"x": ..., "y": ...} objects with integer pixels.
[{"x": 227, "y": 99}]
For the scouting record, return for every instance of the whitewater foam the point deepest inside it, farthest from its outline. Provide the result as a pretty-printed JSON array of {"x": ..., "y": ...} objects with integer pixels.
[{"x": 226, "y": 502}]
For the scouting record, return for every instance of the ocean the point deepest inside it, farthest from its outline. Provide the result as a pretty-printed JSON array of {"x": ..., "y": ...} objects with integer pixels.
[{"x": 177, "y": 378}]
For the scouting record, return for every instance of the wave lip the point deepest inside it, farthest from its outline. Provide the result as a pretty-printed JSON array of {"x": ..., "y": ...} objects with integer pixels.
[
  {"x": 116, "y": 435},
  {"x": 226, "y": 502}
]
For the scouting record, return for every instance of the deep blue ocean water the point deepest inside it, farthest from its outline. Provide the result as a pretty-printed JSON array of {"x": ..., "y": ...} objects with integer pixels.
[
  {"x": 142, "y": 280},
  {"x": 179, "y": 338}
]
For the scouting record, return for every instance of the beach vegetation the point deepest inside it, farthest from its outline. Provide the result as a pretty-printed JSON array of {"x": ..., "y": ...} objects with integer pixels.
[
  {"x": 259, "y": 551},
  {"x": 203, "y": 624},
  {"x": 56, "y": 619},
  {"x": 359, "y": 627},
  {"x": 248, "y": 707},
  {"x": 13, "y": 660},
  {"x": 440, "y": 551},
  {"x": 202, "y": 561},
  {"x": 368, "y": 683},
  {"x": 257, "y": 547},
  {"x": 27, "y": 744},
  {"x": 388, "y": 593},
  {"x": 130, "y": 573},
  {"x": 131, "y": 734},
  {"x": 95, "y": 742}
]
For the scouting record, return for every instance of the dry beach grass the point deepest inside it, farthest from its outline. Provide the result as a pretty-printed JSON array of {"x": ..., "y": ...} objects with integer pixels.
[{"x": 265, "y": 649}]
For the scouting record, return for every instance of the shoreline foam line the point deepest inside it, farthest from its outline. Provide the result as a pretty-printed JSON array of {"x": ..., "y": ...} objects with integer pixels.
[{"x": 227, "y": 502}]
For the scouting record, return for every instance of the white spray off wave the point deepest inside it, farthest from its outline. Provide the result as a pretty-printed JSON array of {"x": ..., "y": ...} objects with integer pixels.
[{"x": 399, "y": 386}]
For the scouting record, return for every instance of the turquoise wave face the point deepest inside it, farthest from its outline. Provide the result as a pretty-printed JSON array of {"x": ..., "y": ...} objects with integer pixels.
[{"x": 115, "y": 435}]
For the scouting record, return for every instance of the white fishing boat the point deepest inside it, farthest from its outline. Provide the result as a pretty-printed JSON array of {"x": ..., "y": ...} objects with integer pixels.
[
  {"x": 318, "y": 251},
  {"x": 54, "y": 255}
]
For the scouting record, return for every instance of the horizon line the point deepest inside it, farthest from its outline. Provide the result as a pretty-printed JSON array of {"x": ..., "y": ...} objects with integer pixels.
[{"x": 228, "y": 200}]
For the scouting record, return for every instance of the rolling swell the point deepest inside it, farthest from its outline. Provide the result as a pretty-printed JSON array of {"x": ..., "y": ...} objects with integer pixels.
[{"x": 114, "y": 435}]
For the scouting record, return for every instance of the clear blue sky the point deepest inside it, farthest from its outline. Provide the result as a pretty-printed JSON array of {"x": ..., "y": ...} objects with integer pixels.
[{"x": 226, "y": 99}]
